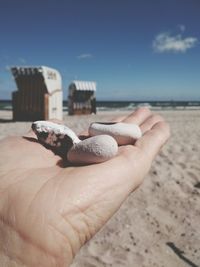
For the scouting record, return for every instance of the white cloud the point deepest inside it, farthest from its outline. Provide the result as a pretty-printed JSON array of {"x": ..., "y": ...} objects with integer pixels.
[
  {"x": 22, "y": 60},
  {"x": 85, "y": 56},
  {"x": 164, "y": 42},
  {"x": 181, "y": 27}
]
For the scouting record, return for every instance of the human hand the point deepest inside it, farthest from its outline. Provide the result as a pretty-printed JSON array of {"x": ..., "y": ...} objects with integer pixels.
[{"x": 48, "y": 211}]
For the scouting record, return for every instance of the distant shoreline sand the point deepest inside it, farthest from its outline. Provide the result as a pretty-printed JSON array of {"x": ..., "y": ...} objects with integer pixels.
[
  {"x": 126, "y": 105},
  {"x": 79, "y": 122}
]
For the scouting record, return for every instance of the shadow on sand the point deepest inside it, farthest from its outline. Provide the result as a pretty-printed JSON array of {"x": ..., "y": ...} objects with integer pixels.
[
  {"x": 180, "y": 253},
  {"x": 5, "y": 120}
]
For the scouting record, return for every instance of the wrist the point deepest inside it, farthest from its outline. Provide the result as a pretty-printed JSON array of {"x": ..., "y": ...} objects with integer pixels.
[{"x": 19, "y": 250}]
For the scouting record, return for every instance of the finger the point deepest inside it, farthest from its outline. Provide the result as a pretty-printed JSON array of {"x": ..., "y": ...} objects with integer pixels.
[
  {"x": 30, "y": 134},
  {"x": 138, "y": 116},
  {"x": 119, "y": 118},
  {"x": 152, "y": 141},
  {"x": 150, "y": 122},
  {"x": 84, "y": 134}
]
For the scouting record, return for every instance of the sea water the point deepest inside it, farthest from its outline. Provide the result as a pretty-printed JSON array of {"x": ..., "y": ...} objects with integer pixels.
[{"x": 126, "y": 105}]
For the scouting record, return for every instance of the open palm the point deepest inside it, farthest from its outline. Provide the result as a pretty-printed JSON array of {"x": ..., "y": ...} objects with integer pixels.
[{"x": 48, "y": 211}]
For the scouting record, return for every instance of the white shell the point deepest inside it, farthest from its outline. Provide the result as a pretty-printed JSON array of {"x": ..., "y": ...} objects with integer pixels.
[
  {"x": 93, "y": 150},
  {"x": 124, "y": 133},
  {"x": 48, "y": 126},
  {"x": 55, "y": 135}
]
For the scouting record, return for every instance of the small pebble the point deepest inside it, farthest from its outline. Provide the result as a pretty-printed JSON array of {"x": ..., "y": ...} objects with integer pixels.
[
  {"x": 64, "y": 142},
  {"x": 124, "y": 133},
  {"x": 55, "y": 136},
  {"x": 93, "y": 150}
]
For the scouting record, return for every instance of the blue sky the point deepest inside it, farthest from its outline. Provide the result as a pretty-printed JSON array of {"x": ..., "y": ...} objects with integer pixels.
[{"x": 133, "y": 49}]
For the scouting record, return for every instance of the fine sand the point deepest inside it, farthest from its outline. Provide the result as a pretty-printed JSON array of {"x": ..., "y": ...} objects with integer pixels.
[{"x": 158, "y": 225}]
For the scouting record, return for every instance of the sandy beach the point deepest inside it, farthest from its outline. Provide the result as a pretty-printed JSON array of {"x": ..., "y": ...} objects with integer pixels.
[{"x": 158, "y": 225}]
